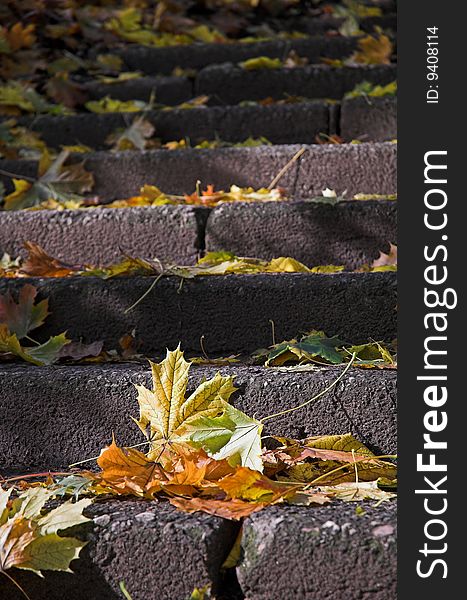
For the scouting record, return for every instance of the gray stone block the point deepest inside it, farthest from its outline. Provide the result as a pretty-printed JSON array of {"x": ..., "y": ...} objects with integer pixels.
[
  {"x": 369, "y": 119},
  {"x": 349, "y": 233},
  {"x": 326, "y": 552},
  {"x": 350, "y": 168},
  {"x": 230, "y": 85},
  {"x": 365, "y": 168},
  {"x": 54, "y": 416},
  {"x": 103, "y": 235},
  {"x": 167, "y": 90},
  {"x": 289, "y": 124},
  {"x": 233, "y": 312},
  {"x": 155, "y": 550},
  {"x": 164, "y": 60}
]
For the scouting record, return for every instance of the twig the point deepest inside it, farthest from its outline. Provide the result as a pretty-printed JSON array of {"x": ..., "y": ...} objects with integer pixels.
[
  {"x": 30, "y": 476},
  {"x": 284, "y": 169},
  {"x": 81, "y": 462},
  {"x": 141, "y": 298},
  {"x": 14, "y": 582},
  {"x": 345, "y": 466},
  {"x": 273, "y": 330},
  {"x": 325, "y": 391},
  {"x": 16, "y": 176}
]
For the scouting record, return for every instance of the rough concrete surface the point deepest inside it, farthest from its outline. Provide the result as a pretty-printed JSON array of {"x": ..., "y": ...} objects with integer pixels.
[
  {"x": 164, "y": 60},
  {"x": 168, "y": 90},
  {"x": 54, "y": 416},
  {"x": 155, "y": 550},
  {"x": 350, "y": 168},
  {"x": 369, "y": 119},
  {"x": 326, "y": 553},
  {"x": 355, "y": 168},
  {"x": 230, "y": 85},
  {"x": 233, "y": 312},
  {"x": 293, "y": 123},
  {"x": 349, "y": 233},
  {"x": 100, "y": 236}
]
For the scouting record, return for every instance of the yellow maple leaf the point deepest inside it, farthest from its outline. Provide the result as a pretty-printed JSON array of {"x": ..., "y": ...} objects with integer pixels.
[
  {"x": 165, "y": 412},
  {"x": 373, "y": 50}
]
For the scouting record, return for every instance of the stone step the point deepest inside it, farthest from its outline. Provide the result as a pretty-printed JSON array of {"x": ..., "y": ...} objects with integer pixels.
[
  {"x": 361, "y": 119},
  {"x": 155, "y": 61},
  {"x": 167, "y": 90},
  {"x": 287, "y": 552},
  {"x": 55, "y": 416},
  {"x": 233, "y": 312},
  {"x": 101, "y": 236},
  {"x": 348, "y": 233},
  {"x": 280, "y": 124},
  {"x": 354, "y": 168},
  {"x": 230, "y": 84},
  {"x": 155, "y": 550},
  {"x": 328, "y": 553},
  {"x": 368, "y": 119}
]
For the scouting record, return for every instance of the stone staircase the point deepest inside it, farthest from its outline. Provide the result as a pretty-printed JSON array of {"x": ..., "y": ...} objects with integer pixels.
[{"x": 53, "y": 416}]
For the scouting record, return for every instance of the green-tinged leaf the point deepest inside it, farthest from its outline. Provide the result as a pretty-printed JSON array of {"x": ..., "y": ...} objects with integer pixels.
[
  {"x": 72, "y": 485},
  {"x": 261, "y": 62},
  {"x": 110, "y": 105},
  {"x": 4, "y": 498},
  {"x": 165, "y": 413},
  {"x": 367, "y": 89},
  {"x": 50, "y": 553},
  {"x": 28, "y": 538},
  {"x": 64, "y": 516},
  {"x": 312, "y": 346},
  {"x": 48, "y": 353},
  {"x": 30, "y": 503},
  {"x": 233, "y": 558},
  {"x": 233, "y": 436},
  {"x": 44, "y": 354},
  {"x": 327, "y": 269},
  {"x": 372, "y": 353}
]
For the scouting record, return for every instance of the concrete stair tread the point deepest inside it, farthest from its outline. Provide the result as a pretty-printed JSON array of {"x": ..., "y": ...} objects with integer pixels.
[
  {"x": 354, "y": 168},
  {"x": 294, "y": 123},
  {"x": 355, "y": 306},
  {"x": 348, "y": 233},
  {"x": 70, "y": 411}
]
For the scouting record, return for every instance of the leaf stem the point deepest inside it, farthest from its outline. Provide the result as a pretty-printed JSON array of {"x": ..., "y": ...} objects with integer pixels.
[
  {"x": 14, "y": 582},
  {"x": 81, "y": 462},
  {"x": 312, "y": 483},
  {"x": 31, "y": 475},
  {"x": 148, "y": 291},
  {"x": 16, "y": 176},
  {"x": 284, "y": 169},
  {"x": 322, "y": 393}
]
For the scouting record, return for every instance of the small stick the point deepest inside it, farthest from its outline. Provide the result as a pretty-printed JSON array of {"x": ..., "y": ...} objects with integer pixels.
[
  {"x": 16, "y": 176},
  {"x": 322, "y": 393},
  {"x": 141, "y": 298},
  {"x": 15, "y": 583},
  {"x": 284, "y": 169}
]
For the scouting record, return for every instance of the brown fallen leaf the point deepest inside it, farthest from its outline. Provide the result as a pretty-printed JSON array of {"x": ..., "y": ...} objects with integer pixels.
[
  {"x": 23, "y": 316},
  {"x": 40, "y": 264},
  {"x": 373, "y": 50},
  {"x": 232, "y": 509}
]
